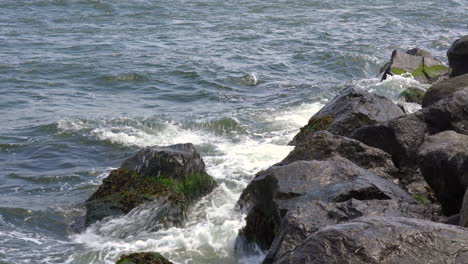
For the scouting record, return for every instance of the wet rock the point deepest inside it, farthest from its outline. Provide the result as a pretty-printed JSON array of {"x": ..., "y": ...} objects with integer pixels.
[
  {"x": 351, "y": 109},
  {"x": 419, "y": 63},
  {"x": 322, "y": 145},
  {"x": 143, "y": 258},
  {"x": 332, "y": 180},
  {"x": 444, "y": 88},
  {"x": 378, "y": 240},
  {"x": 443, "y": 159},
  {"x": 464, "y": 211},
  {"x": 306, "y": 217},
  {"x": 174, "y": 176},
  {"x": 458, "y": 56},
  {"x": 412, "y": 95}
]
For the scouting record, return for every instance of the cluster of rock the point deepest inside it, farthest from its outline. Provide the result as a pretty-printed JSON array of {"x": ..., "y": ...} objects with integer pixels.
[{"x": 367, "y": 183}]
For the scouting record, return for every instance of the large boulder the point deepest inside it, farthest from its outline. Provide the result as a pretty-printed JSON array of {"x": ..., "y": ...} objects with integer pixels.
[
  {"x": 268, "y": 196},
  {"x": 322, "y": 145},
  {"x": 444, "y": 88},
  {"x": 419, "y": 63},
  {"x": 383, "y": 240},
  {"x": 458, "y": 56},
  {"x": 306, "y": 217},
  {"x": 172, "y": 176},
  {"x": 443, "y": 159},
  {"x": 351, "y": 109},
  {"x": 143, "y": 258},
  {"x": 464, "y": 211}
]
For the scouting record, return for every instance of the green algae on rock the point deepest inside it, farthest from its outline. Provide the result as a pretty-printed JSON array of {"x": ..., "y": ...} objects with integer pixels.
[
  {"x": 143, "y": 258},
  {"x": 413, "y": 95},
  {"x": 174, "y": 175}
]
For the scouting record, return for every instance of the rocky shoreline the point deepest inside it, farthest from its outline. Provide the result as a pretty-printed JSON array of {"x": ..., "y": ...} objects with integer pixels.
[{"x": 365, "y": 183}]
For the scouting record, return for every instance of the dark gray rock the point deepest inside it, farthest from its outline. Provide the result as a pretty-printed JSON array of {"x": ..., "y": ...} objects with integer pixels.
[
  {"x": 174, "y": 175},
  {"x": 444, "y": 88},
  {"x": 383, "y": 240},
  {"x": 306, "y": 217},
  {"x": 143, "y": 258},
  {"x": 419, "y": 63},
  {"x": 351, "y": 109},
  {"x": 464, "y": 211},
  {"x": 443, "y": 159},
  {"x": 332, "y": 180},
  {"x": 412, "y": 95},
  {"x": 322, "y": 145},
  {"x": 458, "y": 56}
]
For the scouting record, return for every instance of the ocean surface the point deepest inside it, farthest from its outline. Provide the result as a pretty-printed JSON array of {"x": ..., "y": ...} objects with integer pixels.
[{"x": 84, "y": 84}]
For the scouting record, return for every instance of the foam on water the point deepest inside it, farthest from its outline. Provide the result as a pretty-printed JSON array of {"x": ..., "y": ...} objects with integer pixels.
[{"x": 213, "y": 223}]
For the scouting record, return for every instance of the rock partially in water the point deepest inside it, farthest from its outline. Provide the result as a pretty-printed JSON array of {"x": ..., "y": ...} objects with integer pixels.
[
  {"x": 143, "y": 258},
  {"x": 443, "y": 159},
  {"x": 444, "y": 89},
  {"x": 378, "y": 240},
  {"x": 412, "y": 95},
  {"x": 419, "y": 63},
  {"x": 174, "y": 176},
  {"x": 270, "y": 195},
  {"x": 351, "y": 109},
  {"x": 458, "y": 56}
]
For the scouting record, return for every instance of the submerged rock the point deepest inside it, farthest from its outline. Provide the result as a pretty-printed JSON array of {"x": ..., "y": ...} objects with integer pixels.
[
  {"x": 444, "y": 88},
  {"x": 143, "y": 258},
  {"x": 378, "y": 240},
  {"x": 412, "y": 95},
  {"x": 458, "y": 56},
  {"x": 443, "y": 159},
  {"x": 271, "y": 194},
  {"x": 419, "y": 63},
  {"x": 351, "y": 109},
  {"x": 174, "y": 176}
]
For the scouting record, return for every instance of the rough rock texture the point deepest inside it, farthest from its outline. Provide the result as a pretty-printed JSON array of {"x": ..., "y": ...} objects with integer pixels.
[
  {"x": 444, "y": 88},
  {"x": 412, "y": 95},
  {"x": 464, "y": 211},
  {"x": 322, "y": 145},
  {"x": 383, "y": 240},
  {"x": 332, "y": 180},
  {"x": 418, "y": 63},
  {"x": 143, "y": 258},
  {"x": 443, "y": 159},
  {"x": 174, "y": 175},
  {"x": 351, "y": 109},
  {"x": 306, "y": 217},
  {"x": 458, "y": 56}
]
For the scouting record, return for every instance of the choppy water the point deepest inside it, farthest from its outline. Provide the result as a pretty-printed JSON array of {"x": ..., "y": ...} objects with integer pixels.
[{"x": 84, "y": 84}]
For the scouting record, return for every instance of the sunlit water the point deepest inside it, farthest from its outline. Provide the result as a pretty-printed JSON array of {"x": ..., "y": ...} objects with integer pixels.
[{"x": 84, "y": 84}]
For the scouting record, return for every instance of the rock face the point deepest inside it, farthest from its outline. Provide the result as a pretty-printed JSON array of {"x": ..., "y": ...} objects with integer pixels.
[
  {"x": 419, "y": 63},
  {"x": 322, "y": 145},
  {"x": 443, "y": 159},
  {"x": 143, "y": 258},
  {"x": 271, "y": 194},
  {"x": 458, "y": 56},
  {"x": 174, "y": 176},
  {"x": 464, "y": 211},
  {"x": 351, "y": 109},
  {"x": 378, "y": 240},
  {"x": 444, "y": 88}
]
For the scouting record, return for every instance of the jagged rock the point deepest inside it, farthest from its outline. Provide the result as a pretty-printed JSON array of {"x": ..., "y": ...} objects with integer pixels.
[
  {"x": 143, "y": 258},
  {"x": 306, "y": 217},
  {"x": 419, "y": 63},
  {"x": 174, "y": 176},
  {"x": 464, "y": 211},
  {"x": 383, "y": 240},
  {"x": 412, "y": 95},
  {"x": 443, "y": 159},
  {"x": 444, "y": 88},
  {"x": 322, "y": 145},
  {"x": 458, "y": 56},
  {"x": 351, "y": 109},
  {"x": 332, "y": 180}
]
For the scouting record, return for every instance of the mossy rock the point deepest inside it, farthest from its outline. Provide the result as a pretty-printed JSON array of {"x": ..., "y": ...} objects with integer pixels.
[
  {"x": 319, "y": 123},
  {"x": 413, "y": 95},
  {"x": 143, "y": 258}
]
